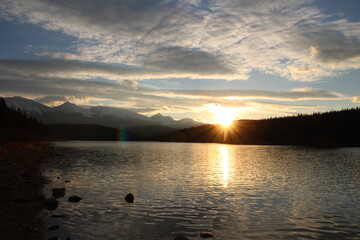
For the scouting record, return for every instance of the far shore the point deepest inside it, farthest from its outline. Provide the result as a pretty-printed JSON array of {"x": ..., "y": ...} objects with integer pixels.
[{"x": 21, "y": 185}]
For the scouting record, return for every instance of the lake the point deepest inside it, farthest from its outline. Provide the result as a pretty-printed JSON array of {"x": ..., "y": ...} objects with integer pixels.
[{"x": 233, "y": 191}]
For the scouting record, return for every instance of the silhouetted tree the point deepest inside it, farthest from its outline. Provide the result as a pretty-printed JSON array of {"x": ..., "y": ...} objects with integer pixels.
[
  {"x": 330, "y": 128},
  {"x": 17, "y": 125}
]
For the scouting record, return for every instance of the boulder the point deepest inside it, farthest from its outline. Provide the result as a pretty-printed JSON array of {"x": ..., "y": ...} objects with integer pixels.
[
  {"x": 207, "y": 235},
  {"x": 74, "y": 199},
  {"x": 51, "y": 204},
  {"x": 58, "y": 192},
  {"x": 129, "y": 198}
]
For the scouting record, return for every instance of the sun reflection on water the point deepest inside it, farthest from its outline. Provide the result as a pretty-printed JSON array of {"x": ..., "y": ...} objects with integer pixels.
[{"x": 225, "y": 165}]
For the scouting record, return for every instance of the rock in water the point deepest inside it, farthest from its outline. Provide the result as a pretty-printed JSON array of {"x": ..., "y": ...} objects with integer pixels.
[
  {"x": 74, "y": 199},
  {"x": 51, "y": 204},
  {"x": 181, "y": 237},
  {"x": 207, "y": 235},
  {"x": 58, "y": 192},
  {"x": 129, "y": 198}
]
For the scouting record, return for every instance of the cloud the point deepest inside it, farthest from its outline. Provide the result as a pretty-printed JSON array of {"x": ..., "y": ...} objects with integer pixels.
[
  {"x": 294, "y": 95},
  {"x": 199, "y": 39},
  {"x": 146, "y": 98},
  {"x": 334, "y": 45},
  {"x": 69, "y": 69},
  {"x": 185, "y": 64},
  {"x": 356, "y": 99},
  {"x": 178, "y": 103},
  {"x": 51, "y": 100},
  {"x": 181, "y": 60},
  {"x": 58, "y": 100}
]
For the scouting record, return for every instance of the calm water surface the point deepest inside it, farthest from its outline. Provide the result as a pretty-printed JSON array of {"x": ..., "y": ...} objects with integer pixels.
[{"x": 236, "y": 192}]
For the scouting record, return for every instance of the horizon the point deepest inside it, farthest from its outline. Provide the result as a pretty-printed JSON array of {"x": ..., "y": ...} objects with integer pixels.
[
  {"x": 184, "y": 59},
  {"x": 215, "y": 122}
]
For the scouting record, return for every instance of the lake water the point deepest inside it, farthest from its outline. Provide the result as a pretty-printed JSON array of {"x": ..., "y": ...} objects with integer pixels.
[{"x": 235, "y": 192}]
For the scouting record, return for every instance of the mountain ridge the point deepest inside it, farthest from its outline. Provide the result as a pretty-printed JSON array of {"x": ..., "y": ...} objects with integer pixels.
[{"x": 70, "y": 113}]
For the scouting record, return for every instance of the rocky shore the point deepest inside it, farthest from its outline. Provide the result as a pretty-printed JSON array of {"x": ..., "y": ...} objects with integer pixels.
[{"x": 21, "y": 186}]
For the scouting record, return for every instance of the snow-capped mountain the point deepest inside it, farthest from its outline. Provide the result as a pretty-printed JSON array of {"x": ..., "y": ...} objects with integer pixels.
[
  {"x": 99, "y": 115},
  {"x": 101, "y": 111},
  {"x": 27, "y": 105},
  {"x": 68, "y": 107},
  {"x": 159, "y": 118}
]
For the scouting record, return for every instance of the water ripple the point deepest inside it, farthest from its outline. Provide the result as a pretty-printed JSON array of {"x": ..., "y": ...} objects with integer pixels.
[{"x": 236, "y": 192}]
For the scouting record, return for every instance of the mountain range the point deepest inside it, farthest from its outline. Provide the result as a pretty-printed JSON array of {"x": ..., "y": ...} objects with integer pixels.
[{"x": 69, "y": 113}]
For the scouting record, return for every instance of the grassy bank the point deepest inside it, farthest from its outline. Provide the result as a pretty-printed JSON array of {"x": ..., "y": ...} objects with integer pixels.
[{"x": 21, "y": 189}]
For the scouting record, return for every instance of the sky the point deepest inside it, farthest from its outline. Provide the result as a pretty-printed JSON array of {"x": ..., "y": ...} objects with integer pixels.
[{"x": 257, "y": 58}]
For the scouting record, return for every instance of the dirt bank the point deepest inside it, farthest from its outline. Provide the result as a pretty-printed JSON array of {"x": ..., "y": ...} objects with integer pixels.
[{"x": 21, "y": 189}]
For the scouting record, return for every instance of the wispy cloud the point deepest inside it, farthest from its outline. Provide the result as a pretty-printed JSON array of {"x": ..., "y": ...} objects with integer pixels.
[
  {"x": 356, "y": 99},
  {"x": 53, "y": 91},
  {"x": 198, "y": 39},
  {"x": 296, "y": 94}
]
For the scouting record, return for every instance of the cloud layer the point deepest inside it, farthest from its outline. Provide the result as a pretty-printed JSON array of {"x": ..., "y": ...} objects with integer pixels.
[
  {"x": 120, "y": 42},
  {"x": 197, "y": 39},
  {"x": 190, "y": 103}
]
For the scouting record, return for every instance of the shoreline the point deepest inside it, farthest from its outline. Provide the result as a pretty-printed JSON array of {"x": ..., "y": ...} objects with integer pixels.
[{"x": 21, "y": 184}]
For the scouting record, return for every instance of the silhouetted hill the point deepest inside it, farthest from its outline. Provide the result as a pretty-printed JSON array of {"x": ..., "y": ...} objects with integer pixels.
[{"x": 330, "y": 128}]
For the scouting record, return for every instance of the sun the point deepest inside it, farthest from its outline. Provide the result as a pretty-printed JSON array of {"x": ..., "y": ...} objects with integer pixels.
[
  {"x": 223, "y": 115},
  {"x": 225, "y": 122}
]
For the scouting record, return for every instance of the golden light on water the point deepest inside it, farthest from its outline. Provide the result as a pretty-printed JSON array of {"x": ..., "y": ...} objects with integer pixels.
[{"x": 225, "y": 165}]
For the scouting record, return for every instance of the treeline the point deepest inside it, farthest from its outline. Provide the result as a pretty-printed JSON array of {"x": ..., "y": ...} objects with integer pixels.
[
  {"x": 18, "y": 126},
  {"x": 318, "y": 129}
]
